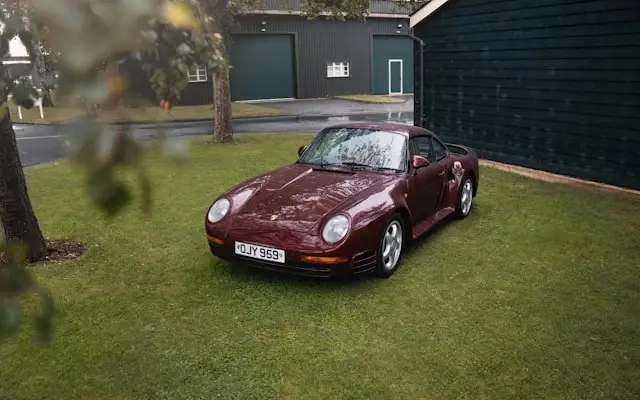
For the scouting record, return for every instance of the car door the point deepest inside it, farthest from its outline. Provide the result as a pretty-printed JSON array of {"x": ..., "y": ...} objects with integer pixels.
[
  {"x": 439, "y": 161},
  {"x": 425, "y": 184}
]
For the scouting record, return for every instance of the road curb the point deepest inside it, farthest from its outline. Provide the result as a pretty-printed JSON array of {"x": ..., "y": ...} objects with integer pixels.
[
  {"x": 270, "y": 118},
  {"x": 176, "y": 121}
]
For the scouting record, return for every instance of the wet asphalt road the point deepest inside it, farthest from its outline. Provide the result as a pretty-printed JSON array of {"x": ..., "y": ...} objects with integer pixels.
[{"x": 41, "y": 143}]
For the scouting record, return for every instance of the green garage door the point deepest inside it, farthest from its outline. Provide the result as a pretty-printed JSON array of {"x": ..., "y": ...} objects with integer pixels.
[
  {"x": 262, "y": 67},
  {"x": 392, "y": 65}
]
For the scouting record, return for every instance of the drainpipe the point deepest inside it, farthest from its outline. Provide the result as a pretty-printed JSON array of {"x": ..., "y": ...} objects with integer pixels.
[{"x": 421, "y": 118}]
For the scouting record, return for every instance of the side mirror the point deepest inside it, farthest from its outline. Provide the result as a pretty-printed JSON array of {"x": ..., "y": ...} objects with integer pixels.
[
  {"x": 419, "y": 162},
  {"x": 301, "y": 150}
]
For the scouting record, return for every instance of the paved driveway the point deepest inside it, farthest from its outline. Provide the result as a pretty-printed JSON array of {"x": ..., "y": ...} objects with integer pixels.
[
  {"x": 44, "y": 143},
  {"x": 339, "y": 107}
]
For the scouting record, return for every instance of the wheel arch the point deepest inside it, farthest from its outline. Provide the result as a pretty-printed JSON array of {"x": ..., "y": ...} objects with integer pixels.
[
  {"x": 472, "y": 176},
  {"x": 406, "y": 220}
]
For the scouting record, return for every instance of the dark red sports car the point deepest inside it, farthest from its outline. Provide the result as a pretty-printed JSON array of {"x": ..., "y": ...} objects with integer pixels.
[{"x": 358, "y": 194}]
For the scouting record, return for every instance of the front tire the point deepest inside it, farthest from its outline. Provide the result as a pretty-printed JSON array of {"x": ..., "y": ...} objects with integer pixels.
[
  {"x": 391, "y": 247},
  {"x": 465, "y": 200}
]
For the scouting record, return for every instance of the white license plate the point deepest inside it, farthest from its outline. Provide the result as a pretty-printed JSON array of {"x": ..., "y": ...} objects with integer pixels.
[{"x": 260, "y": 252}]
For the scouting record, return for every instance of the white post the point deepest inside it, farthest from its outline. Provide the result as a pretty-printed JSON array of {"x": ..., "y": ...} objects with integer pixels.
[{"x": 39, "y": 103}]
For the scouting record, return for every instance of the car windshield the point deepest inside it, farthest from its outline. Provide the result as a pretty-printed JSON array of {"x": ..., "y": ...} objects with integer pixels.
[{"x": 357, "y": 147}]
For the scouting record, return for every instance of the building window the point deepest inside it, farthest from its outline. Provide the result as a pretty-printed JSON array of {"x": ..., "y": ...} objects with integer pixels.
[
  {"x": 338, "y": 70},
  {"x": 198, "y": 74}
]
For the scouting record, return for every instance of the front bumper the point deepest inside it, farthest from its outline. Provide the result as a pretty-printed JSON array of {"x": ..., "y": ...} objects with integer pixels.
[{"x": 357, "y": 264}]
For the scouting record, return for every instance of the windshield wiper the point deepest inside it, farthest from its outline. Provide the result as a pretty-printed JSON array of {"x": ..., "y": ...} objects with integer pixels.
[
  {"x": 367, "y": 166},
  {"x": 325, "y": 166},
  {"x": 386, "y": 169},
  {"x": 353, "y": 164}
]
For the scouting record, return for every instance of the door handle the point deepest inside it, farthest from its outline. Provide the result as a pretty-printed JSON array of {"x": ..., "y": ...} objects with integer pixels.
[{"x": 441, "y": 173}]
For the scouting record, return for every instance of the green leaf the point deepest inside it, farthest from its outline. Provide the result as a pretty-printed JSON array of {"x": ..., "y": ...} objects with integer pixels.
[
  {"x": 126, "y": 151},
  {"x": 82, "y": 144},
  {"x": 24, "y": 96},
  {"x": 99, "y": 184},
  {"x": 145, "y": 187},
  {"x": 43, "y": 323},
  {"x": 10, "y": 316},
  {"x": 119, "y": 198},
  {"x": 109, "y": 195},
  {"x": 44, "y": 327},
  {"x": 14, "y": 281},
  {"x": 177, "y": 149},
  {"x": 17, "y": 252}
]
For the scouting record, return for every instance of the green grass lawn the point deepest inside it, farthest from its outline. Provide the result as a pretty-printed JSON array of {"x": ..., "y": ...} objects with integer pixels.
[
  {"x": 57, "y": 115},
  {"x": 372, "y": 98},
  {"x": 535, "y": 295}
]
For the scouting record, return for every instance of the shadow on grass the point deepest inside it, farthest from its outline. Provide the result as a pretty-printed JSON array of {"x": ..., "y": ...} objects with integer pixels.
[
  {"x": 423, "y": 242},
  {"x": 243, "y": 274}
]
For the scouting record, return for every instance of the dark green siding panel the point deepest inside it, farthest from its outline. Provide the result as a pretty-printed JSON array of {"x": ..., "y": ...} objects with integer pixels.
[
  {"x": 547, "y": 84},
  {"x": 387, "y": 48},
  {"x": 262, "y": 67},
  {"x": 320, "y": 41}
]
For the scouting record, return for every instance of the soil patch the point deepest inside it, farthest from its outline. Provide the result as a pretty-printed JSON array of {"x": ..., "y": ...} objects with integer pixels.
[{"x": 58, "y": 250}]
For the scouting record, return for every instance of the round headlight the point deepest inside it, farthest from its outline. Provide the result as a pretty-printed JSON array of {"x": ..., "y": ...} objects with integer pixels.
[
  {"x": 335, "y": 229},
  {"x": 218, "y": 210}
]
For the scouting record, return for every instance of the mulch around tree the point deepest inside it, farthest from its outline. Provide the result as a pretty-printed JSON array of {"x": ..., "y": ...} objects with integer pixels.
[{"x": 58, "y": 250}]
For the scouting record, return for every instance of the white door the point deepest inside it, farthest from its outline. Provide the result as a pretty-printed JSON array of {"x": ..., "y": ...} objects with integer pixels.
[{"x": 395, "y": 77}]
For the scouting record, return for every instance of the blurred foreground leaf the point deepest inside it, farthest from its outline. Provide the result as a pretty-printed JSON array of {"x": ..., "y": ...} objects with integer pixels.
[
  {"x": 179, "y": 15},
  {"x": 10, "y": 316},
  {"x": 106, "y": 192},
  {"x": 24, "y": 96},
  {"x": 43, "y": 322}
]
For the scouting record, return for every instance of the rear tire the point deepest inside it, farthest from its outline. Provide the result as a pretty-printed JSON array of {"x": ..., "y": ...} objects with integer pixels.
[
  {"x": 465, "y": 199},
  {"x": 391, "y": 247}
]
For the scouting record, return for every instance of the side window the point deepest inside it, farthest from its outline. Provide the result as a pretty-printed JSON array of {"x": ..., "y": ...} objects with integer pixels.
[
  {"x": 421, "y": 146},
  {"x": 439, "y": 150},
  {"x": 414, "y": 149}
]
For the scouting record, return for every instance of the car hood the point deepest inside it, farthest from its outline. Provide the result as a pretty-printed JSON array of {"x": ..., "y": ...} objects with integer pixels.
[{"x": 296, "y": 197}]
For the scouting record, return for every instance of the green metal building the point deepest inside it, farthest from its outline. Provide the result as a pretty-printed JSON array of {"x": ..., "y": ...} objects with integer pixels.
[
  {"x": 546, "y": 84},
  {"x": 277, "y": 53}
]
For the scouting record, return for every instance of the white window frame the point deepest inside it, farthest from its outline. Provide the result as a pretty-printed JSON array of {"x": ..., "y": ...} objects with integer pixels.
[
  {"x": 198, "y": 74},
  {"x": 340, "y": 69},
  {"x": 401, "y": 62}
]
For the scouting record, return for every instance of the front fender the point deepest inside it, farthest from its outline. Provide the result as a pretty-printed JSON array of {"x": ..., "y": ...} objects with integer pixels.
[{"x": 368, "y": 213}]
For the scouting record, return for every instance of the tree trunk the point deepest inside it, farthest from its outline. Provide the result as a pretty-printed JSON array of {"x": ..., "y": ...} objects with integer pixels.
[
  {"x": 17, "y": 217},
  {"x": 222, "y": 129}
]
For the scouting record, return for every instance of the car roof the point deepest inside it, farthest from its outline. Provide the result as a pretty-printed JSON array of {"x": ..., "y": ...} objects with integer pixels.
[{"x": 408, "y": 130}]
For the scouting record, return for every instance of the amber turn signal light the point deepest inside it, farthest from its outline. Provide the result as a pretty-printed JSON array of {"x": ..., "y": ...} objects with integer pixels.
[
  {"x": 215, "y": 239},
  {"x": 324, "y": 260}
]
